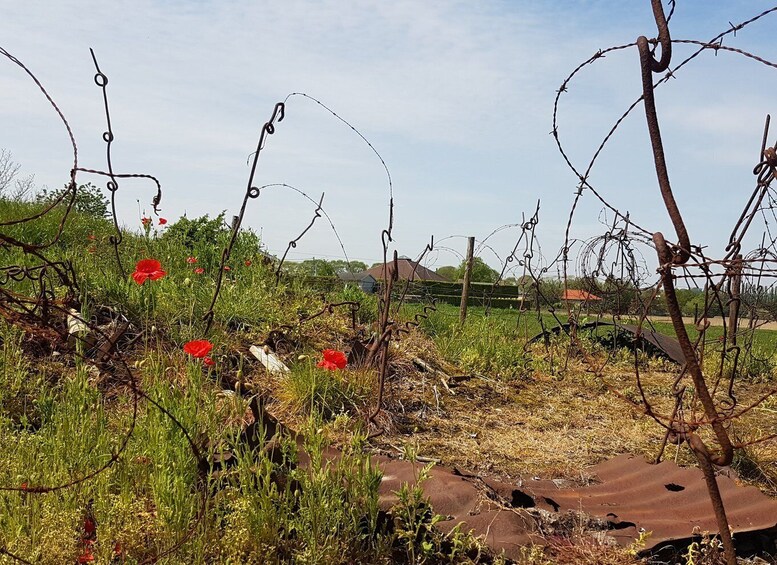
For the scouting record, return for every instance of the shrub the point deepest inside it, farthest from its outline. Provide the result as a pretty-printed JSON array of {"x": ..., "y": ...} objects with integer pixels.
[{"x": 89, "y": 200}]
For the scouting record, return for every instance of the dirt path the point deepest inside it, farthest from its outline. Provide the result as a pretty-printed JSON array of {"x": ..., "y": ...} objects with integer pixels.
[{"x": 715, "y": 321}]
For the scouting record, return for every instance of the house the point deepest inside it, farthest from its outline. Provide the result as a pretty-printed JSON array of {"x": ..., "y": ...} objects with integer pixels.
[
  {"x": 407, "y": 269},
  {"x": 363, "y": 280},
  {"x": 578, "y": 296}
]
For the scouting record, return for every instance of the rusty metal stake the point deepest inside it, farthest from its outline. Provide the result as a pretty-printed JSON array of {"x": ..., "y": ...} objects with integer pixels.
[
  {"x": 703, "y": 457},
  {"x": 733, "y": 307},
  {"x": 467, "y": 278},
  {"x": 676, "y": 255}
]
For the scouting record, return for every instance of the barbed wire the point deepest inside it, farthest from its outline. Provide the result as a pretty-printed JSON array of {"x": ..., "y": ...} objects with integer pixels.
[
  {"x": 612, "y": 257},
  {"x": 56, "y": 301}
]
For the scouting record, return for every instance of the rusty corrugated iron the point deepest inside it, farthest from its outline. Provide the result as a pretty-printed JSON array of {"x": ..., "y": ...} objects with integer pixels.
[
  {"x": 666, "y": 344},
  {"x": 665, "y": 499},
  {"x": 629, "y": 494}
]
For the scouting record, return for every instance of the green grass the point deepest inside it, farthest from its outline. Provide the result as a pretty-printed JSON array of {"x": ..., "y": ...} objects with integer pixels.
[
  {"x": 62, "y": 418},
  {"x": 493, "y": 344}
]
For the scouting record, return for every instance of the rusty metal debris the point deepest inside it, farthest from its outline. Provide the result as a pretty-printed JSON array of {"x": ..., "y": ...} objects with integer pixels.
[
  {"x": 626, "y": 495},
  {"x": 663, "y": 344},
  {"x": 714, "y": 398}
]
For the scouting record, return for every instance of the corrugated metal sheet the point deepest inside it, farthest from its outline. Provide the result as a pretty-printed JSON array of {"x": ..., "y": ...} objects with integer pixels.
[
  {"x": 631, "y": 494},
  {"x": 665, "y": 499},
  {"x": 669, "y": 345}
]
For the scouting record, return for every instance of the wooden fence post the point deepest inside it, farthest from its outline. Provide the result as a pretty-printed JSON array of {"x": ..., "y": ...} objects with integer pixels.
[
  {"x": 733, "y": 307},
  {"x": 467, "y": 277}
]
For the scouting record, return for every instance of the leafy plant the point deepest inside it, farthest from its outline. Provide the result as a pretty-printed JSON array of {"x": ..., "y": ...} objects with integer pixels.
[{"x": 89, "y": 199}]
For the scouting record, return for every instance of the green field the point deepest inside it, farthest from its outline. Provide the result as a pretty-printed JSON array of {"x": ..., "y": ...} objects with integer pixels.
[{"x": 118, "y": 460}]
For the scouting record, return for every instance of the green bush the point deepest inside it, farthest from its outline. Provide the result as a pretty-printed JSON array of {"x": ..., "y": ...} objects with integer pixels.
[
  {"x": 205, "y": 238},
  {"x": 89, "y": 200}
]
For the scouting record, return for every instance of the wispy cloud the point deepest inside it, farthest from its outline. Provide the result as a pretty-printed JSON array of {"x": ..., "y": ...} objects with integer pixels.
[{"x": 457, "y": 97}]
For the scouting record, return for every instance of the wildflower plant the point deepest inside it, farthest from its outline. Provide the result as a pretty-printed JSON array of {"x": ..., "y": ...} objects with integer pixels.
[
  {"x": 199, "y": 349},
  {"x": 332, "y": 360},
  {"x": 148, "y": 270}
]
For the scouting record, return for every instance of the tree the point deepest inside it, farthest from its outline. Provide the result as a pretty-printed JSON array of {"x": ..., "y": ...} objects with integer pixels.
[
  {"x": 343, "y": 266},
  {"x": 89, "y": 199},
  {"x": 481, "y": 272},
  {"x": 448, "y": 271},
  {"x": 528, "y": 289},
  {"x": 324, "y": 268},
  {"x": 619, "y": 295},
  {"x": 9, "y": 172},
  {"x": 313, "y": 268},
  {"x": 684, "y": 298},
  {"x": 198, "y": 231},
  {"x": 550, "y": 291}
]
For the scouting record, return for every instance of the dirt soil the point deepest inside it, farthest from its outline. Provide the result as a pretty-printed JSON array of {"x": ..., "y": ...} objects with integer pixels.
[
  {"x": 556, "y": 427},
  {"x": 714, "y": 321}
]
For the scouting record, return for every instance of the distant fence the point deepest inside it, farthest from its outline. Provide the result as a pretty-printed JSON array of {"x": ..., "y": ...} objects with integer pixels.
[{"x": 480, "y": 294}]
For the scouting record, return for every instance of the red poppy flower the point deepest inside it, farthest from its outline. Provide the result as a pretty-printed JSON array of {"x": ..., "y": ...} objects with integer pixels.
[
  {"x": 162, "y": 221},
  {"x": 148, "y": 269},
  {"x": 91, "y": 249},
  {"x": 199, "y": 271},
  {"x": 86, "y": 556},
  {"x": 198, "y": 348},
  {"x": 191, "y": 260},
  {"x": 248, "y": 263},
  {"x": 333, "y": 360},
  {"x": 145, "y": 221},
  {"x": 91, "y": 237},
  {"x": 208, "y": 362},
  {"x": 227, "y": 268},
  {"x": 24, "y": 487}
]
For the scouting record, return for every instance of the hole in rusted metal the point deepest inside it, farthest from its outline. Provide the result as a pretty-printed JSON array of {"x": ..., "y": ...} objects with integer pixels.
[{"x": 521, "y": 500}]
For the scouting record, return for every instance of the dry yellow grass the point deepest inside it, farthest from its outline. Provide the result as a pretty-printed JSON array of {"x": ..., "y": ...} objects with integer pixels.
[{"x": 558, "y": 427}]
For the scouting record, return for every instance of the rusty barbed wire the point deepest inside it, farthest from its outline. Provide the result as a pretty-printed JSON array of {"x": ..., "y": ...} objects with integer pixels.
[
  {"x": 722, "y": 278},
  {"x": 528, "y": 238},
  {"x": 319, "y": 208},
  {"x": 583, "y": 177},
  {"x": 251, "y": 192},
  {"x": 55, "y": 302},
  {"x": 417, "y": 263},
  {"x": 293, "y": 243}
]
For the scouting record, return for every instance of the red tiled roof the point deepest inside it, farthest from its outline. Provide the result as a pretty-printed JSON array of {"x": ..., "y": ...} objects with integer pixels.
[
  {"x": 406, "y": 271},
  {"x": 582, "y": 295}
]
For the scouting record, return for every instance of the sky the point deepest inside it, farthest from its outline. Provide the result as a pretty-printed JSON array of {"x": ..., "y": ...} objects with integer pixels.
[{"x": 456, "y": 97}]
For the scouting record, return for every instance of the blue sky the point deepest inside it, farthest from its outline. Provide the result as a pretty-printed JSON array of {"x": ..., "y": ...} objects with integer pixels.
[{"x": 456, "y": 96}]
